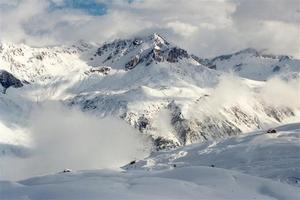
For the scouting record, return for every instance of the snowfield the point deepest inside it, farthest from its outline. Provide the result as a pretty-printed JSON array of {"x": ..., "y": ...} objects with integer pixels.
[
  {"x": 270, "y": 155},
  {"x": 182, "y": 183},
  {"x": 185, "y": 173}
]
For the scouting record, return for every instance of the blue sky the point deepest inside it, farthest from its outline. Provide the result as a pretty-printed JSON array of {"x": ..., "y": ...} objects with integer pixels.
[{"x": 91, "y": 7}]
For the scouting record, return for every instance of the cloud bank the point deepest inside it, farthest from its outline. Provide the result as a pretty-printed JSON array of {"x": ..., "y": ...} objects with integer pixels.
[
  {"x": 233, "y": 91},
  {"x": 206, "y": 28},
  {"x": 68, "y": 138}
]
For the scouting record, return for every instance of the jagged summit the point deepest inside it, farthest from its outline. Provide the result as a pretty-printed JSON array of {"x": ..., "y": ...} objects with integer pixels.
[{"x": 129, "y": 53}]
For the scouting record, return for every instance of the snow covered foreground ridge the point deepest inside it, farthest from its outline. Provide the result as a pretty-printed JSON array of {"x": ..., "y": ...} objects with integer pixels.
[
  {"x": 186, "y": 173},
  {"x": 160, "y": 89}
]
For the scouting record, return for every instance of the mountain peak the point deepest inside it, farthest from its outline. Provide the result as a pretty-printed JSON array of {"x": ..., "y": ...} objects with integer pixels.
[
  {"x": 158, "y": 39},
  {"x": 129, "y": 53},
  {"x": 248, "y": 51}
]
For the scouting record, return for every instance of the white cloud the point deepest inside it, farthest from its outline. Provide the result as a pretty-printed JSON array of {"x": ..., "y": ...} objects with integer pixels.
[
  {"x": 68, "y": 138},
  {"x": 181, "y": 28},
  {"x": 206, "y": 28}
]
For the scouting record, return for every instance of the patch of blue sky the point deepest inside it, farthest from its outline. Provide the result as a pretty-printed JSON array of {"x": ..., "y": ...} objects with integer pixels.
[
  {"x": 91, "y": 7},
  {"x": 6, "y": 5}
]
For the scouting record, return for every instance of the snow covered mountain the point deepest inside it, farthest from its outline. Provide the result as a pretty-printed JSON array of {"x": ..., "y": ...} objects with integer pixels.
[
  {"x": 155, "y": 86},
  {"x": 194, "y": 110},
  {"x": 253, "y": 64}
]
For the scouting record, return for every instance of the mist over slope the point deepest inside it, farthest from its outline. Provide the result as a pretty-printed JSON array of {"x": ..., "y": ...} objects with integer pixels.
[
  {"x": 147, "y": 94},
  {"x": 68, "y": 138}
]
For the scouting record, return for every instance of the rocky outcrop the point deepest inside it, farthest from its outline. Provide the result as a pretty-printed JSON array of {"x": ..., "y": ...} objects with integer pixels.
[
  {"x": 99, "y": 70},
  {"x": 175, "y": 54},
  {"x": 147, "y": 50},
  {"x": 132, "y": 63},
  {"x": 8, "y": 80}
]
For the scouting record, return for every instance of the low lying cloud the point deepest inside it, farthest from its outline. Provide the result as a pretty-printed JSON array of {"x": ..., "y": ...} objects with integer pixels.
[
  {"x": 64, "y": 138},
  {"x": 280, "y": 92},
  {"x": 234, "y": 91},
  {"x": 162, "y": 124}
]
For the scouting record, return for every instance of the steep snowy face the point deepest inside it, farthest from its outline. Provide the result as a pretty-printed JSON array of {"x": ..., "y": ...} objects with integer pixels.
[
  {"x": 127, "y": 54},
  {"x": 253, "y": 64},
  {"x": 41, "y": 64}
]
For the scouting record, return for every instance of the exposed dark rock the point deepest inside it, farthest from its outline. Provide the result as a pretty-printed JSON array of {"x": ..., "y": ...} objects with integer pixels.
[
  {"x": 118, "y": 44},
  {"x": 271, "y": 130},
  {"x": 282, "y": 58},
  {"x": 132, "y": 63},
  {"x": 102, "y": 70},
  {"x": 212, "y": 67},
  {"x": 160, "y": 51},
  {"x": 8, "y": 80},
  {"x": 276, "y": 69},
  {"x": 161, "y": 143},
  {"x": 39, "y": 57},
  {"x": 175, "y": 54},
  {"x": 66, "y": 171},
  {"x": 132, "y": 162},
  {"x": 137, "y": 42},
  {"x": 142, "y": 123}
]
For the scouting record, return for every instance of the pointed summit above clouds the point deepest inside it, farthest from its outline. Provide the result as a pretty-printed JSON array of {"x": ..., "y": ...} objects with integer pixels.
[{"x": 129, "y": 53}]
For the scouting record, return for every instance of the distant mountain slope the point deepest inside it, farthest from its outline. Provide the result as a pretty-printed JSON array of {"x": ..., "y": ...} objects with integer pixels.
[
  {"x": 148, "y": 81},
  {"x": 256, "y": 65}
]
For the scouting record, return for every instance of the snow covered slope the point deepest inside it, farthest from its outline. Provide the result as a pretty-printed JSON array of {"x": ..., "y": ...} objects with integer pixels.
[
  {"x": 185, "y": 173},
  {"x": 253, "y": 64},
  {"x": 181, "y": 183},
  {"x": 269, "y": 155},
  {"x": 146, "y": 81}
]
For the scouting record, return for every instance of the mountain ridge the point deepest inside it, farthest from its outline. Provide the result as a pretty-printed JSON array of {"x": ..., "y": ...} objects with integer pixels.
[{"x": 146, "y": 76}]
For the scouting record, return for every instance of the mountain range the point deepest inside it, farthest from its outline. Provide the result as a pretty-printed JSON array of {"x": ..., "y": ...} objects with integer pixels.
[{"x": 174, "y": 97}]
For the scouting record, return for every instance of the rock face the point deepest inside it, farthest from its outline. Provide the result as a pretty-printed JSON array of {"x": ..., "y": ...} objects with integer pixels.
[
  {"x": 139, "y": 51},
  {"x": 8, "y": 80}
]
